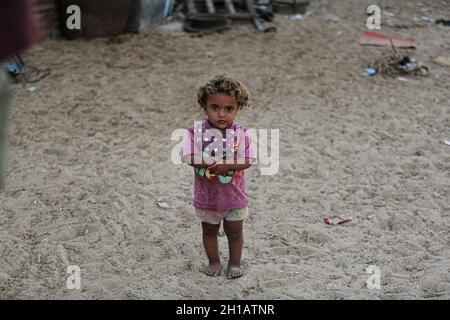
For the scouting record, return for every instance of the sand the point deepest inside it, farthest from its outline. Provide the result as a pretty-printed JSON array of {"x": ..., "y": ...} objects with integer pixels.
[{"x": 89, "y": 158}]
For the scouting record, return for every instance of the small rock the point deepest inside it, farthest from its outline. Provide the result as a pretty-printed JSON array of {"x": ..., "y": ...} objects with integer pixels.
[
  {"x": 163, "y": 205},
  {"x": 379, "y": 204},
  {"x": 331, "y": 286},
  {"x": 435, "y": 195},
  {"x": 209, "y": 55}
]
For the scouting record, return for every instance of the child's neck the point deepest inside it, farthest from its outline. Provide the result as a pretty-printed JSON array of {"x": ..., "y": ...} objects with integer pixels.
[{"x": 221, "y": 130}]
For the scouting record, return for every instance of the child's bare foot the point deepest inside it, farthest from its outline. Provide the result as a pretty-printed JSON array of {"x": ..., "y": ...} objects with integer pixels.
[
  {"x": 234, "y": 272},
  {"x": 213, "y": 269}
]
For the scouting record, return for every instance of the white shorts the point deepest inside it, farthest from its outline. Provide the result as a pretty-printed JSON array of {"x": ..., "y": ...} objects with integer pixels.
[{"x": 216, "y": 217}]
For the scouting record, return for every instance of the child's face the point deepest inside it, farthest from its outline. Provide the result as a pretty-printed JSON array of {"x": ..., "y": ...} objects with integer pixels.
[{"x": 221, "y": 109}]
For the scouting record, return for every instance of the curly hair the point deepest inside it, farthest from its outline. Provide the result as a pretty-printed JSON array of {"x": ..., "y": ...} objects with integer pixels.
[{"x": 227, "y": 85}]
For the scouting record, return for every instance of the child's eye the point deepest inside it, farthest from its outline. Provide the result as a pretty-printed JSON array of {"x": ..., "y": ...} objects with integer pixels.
[
  {"x": 229, "y": 109},
  {"x": 214, "y": 108}
]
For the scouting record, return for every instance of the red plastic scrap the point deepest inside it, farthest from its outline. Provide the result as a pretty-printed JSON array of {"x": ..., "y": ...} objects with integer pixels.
[
  {"x": 376, "y": 39},
  {"x": 337, "y": 219}
]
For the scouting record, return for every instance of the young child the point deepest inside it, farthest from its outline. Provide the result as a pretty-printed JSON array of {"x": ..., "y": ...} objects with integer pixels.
[{"x": 220, "y": 150}]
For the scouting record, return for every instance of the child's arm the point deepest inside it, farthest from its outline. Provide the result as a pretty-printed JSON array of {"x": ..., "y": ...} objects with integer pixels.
[
  {"x": 223, "y": 168},
  {"x": 198, "y": 161}
]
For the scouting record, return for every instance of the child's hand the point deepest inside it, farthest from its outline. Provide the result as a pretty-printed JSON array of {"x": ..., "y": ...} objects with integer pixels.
[{"x": 219, "y": 168}]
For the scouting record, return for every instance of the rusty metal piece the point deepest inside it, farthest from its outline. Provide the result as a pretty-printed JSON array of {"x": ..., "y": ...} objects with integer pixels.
[
  {"x": 231, "y": 13},
  {"x": 206, "y": 23}
]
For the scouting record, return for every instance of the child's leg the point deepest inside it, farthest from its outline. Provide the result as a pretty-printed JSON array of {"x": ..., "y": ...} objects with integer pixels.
[
  {"x": 211, "y": 243},
  {"x": 234, "y": 232}
]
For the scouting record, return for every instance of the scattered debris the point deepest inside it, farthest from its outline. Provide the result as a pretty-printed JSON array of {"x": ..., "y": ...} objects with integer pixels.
[
  {"x": 403, "y": 79},
  {"x": 209, "y": 55},
  {"x": 294, "y": 17},
  {"x": 443, "y": 60},
  {"x": 435, "y": 195},
  {"x": 270, "y": 29},
  {"x": 395, "y": 66},
  {"x": 13, "y": 66},
  {"x": 426, "y": 19},
  {"x": 376, "y": 39},
  {"x": 337, "y": 219},
  {"x": 212, "y": 16},
  {"x": 331, "y": 286},
  {"x": 163, "y": 205},
  {"x": 369, "y": 72},
  {"x": 443, "y": 22},
  {"x": 206, "y": 23},
  {"x": 332, "y": 18},
  {"x": 31, "y": 88},
  {"x": 388, "y": 14},
  {"x": 408, "y": 65},
  {"x": 447, "y": 142},
  {"x": 173, "y": 26}
]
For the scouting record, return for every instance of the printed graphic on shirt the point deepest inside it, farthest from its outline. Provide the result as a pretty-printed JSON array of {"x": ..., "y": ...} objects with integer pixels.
[{"x": 231, "y": 145}]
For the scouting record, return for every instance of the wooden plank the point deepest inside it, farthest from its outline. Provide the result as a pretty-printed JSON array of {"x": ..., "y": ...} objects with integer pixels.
[
  {"x": 210, "y": 6},
  {"x": 191, "y": 6},
  {"x": 230, "y": 7}
]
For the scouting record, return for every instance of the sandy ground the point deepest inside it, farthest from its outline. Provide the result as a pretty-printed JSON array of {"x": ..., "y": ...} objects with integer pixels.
[{"x": 89, "y": 157}]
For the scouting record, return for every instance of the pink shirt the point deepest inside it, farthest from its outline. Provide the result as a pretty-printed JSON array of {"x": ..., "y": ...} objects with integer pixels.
[{"x": 221, "y": 192}]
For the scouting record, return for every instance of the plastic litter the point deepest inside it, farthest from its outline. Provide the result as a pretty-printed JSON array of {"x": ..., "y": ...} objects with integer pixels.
[
  {"x": 369, "y": 72},
  {"x": 295, "y": 17},
  {"x": 173, "y": 26},
  {"x": 426, "y": 19},
  {"x": 442, "y": 60},
  {"x": 209, "y": 55},
  {"x": 12, "y": 66},
  {"x": 163, "y": 205},
  {"x": 31, "y": 88},
  {"x": 443, "y": 22},
  {"x": 337, "y": 219},
  {"x": 331, "y": 286},
  {"x": 332, "y": 18}
]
